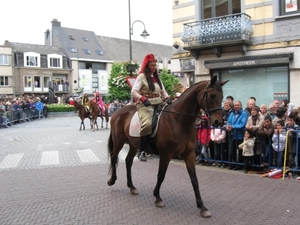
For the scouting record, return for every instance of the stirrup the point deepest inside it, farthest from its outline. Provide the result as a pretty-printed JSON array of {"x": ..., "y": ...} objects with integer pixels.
[{"x": 142, "y": 156}]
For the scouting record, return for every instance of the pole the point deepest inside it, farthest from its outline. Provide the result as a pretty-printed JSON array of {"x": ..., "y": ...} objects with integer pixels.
[{"x": 130, "y": 44}]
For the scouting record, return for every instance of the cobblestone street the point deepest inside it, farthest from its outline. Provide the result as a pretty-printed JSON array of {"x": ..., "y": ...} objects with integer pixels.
[{"x": 52, "y": 173}]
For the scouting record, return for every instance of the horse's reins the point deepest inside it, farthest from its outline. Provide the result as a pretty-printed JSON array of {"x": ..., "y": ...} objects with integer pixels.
[{"x": 205, "y": 109}]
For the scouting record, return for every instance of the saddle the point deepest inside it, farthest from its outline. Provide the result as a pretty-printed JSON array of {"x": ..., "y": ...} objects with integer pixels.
[{"x": 135, "y": 124}]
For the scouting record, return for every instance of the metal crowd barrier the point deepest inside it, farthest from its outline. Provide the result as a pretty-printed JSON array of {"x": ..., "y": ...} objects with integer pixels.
[
  {"x": 263, "y": 152},
  {"x": 10, "y": 118}
]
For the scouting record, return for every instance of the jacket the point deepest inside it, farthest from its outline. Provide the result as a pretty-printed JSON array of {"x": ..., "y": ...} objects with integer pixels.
[
  {"x": 247, "y": 147},
  {"x": 238, "y": 121},
  {"x": 204, "y": 135},
  {"x": 278, "y": 142},
  {"x": 218, "y": 135}
]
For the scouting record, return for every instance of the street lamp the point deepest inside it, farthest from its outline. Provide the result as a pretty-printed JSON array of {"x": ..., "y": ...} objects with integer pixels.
[{"x": 144, "y": 34}]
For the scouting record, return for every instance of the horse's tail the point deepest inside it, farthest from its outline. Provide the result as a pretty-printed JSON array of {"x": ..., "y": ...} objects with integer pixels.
[{"x": 110, "y": 148}]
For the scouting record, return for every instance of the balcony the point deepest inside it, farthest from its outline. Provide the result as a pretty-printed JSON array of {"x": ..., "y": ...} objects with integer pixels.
[{"x": 230, "y": 30}]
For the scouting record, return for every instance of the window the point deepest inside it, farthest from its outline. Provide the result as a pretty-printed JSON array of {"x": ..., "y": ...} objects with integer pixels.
[
  {"x": 4, "y": 81},
  {"x": 5, "y": 59},
  {"x": 216, "y": 8},
  {"x": 73, "y": 50},
  {"x": 85, "y": 39},
  {"x": 32, "y": 59},
  {"x": 289, "y": 6},
  {"x": 86, "y": 51},
  {"x": 54, "y": 61},
  {"x": 98, "y": 52},
  {"x": 27, "y": 81}
]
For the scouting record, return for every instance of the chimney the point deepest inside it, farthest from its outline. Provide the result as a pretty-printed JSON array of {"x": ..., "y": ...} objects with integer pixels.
[
  {"x": 47, "y": 33},
  {"x": 55, "y": 23}
]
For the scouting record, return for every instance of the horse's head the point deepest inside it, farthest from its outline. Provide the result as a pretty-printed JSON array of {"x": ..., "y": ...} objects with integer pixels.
[{"x": 211, "y": 101}]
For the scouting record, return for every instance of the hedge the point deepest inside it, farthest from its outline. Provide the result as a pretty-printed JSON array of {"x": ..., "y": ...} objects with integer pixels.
[{"x": 60, "y": 108}]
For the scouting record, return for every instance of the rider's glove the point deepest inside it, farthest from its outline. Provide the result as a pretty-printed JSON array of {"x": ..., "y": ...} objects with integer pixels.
[
  {"x": 168, "y": 101},
  {"x": 147, "y": 102}
]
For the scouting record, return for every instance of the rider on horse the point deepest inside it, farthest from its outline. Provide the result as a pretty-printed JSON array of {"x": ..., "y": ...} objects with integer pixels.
[
  {"x": 149, "y": 91},
  {"x": 98, "y": 100},
  {"x": 85, "y": 101}
]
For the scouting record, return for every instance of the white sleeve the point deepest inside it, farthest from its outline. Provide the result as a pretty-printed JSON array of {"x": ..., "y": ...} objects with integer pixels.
[{"x": 135, "y": 91}]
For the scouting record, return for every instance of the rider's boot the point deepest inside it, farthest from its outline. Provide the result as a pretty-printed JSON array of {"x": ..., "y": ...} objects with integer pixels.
[{"x": 141, "y": 152}]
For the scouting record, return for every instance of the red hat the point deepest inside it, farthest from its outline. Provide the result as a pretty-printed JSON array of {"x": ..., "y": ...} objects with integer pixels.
[{"x": 148, "y": 58}]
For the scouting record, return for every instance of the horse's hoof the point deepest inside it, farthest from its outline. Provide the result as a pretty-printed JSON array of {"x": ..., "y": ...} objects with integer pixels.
[
  {"x": 134, "y": 191},
  {"x": 110, "y": 183},
  {"x": 205, "y": 214},
  {"x": 160, "y": 204}
]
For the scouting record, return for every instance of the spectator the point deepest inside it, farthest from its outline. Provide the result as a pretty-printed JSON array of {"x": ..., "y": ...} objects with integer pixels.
[
  {"x": 290, "y": 107},
  {"x": 263, "y": 109},
  {"x": 265, "y": 132},
  {"x": 250, "y": 105},
  {"x": 278, "y": 142},
  {"x": 235, "y": 125},
  {"x": 204, "y": 139},
  {"x": 18, "y": 111},
  {"x": 291, "y": 151},
  {"x": 247, "y": 149},
  {"x": 230, "y": 99},
  {"x": 218, "y": 137},
  {"x": 280, "y": 115},
  {"x": 272, "y": 111}
]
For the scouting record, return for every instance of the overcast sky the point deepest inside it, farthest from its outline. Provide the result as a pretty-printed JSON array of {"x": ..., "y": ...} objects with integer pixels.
[{"x": 26, "y": 21}]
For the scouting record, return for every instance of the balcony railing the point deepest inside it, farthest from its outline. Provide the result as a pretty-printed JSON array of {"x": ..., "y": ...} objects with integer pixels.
[{"x": 218, "y": 31}]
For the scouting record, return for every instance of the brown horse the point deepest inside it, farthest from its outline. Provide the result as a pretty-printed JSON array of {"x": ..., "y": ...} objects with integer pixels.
[
  {"x": 82, "y": 113},
  {"x": 95, "y": 113},
  {"x": 175, "y": 136}
]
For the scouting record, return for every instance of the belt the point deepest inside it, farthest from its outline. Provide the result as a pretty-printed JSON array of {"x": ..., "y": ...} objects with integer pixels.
[{"x": 150, "y": 95}]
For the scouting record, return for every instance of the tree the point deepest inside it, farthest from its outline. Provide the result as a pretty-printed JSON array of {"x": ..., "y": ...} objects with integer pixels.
[
  {"x": 169, "y": 82},
  {"x": 118, "y": 87}
]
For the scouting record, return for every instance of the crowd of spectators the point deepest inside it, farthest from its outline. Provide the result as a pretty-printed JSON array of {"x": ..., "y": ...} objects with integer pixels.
[{"x": 253, "y": 138}]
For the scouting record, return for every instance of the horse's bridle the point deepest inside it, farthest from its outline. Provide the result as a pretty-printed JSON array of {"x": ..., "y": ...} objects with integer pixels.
[{"x": 206, "y": 101}]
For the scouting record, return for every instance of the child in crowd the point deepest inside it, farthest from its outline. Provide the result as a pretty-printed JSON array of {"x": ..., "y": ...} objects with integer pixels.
[
  {"x": 247, "y": 146},
  {"x": 218, "y": 136},
  {"x": 291, "y": 151},
  {"x": 204, "y": 138},
  {"x": 278, "y": 143},
  {"x": 265, "y": 132}
]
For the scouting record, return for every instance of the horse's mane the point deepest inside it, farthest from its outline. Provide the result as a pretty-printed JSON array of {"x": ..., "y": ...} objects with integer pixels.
[{"x": 205, "y": 83}]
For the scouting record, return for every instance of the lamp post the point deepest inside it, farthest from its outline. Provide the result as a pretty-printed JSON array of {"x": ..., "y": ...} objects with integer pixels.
[{"x": 144, "y": 34}]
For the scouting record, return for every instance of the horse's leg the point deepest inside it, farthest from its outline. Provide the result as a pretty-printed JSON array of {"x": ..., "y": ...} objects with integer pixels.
[
  {"x": 101, "y": 121},
  {"x": 163, "y": 166},
  {"x": 129, "y": 161},
  {"x": 96, "y": 123},
  {"x": 190, "y": 165}
]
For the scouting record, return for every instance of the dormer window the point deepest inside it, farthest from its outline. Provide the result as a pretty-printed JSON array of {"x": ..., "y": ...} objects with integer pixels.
[
  {"x": 98, "y": 52},
  {"x": 85, "y": 39},
  {"x": 86, "y": 51},
  {"x": 54, "y": 61},
  {"x": 71, "y": 37},
  {"x": 31, "y": 59},
  {"x": 73, "y": 50}
]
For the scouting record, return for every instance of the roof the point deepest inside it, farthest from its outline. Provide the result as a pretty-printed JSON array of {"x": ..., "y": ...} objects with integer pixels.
[
  {"x": 80, "y": 40},
  {"x": 117, "y": 49},
  {"x": 41, "y": 49}
]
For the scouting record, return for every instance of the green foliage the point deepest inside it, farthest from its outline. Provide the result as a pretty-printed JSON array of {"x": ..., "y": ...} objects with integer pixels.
[
  {"x": 169, "y": 82},
  {"x": 118, "y": 87},
  {"x": 60, "y": 108}
]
